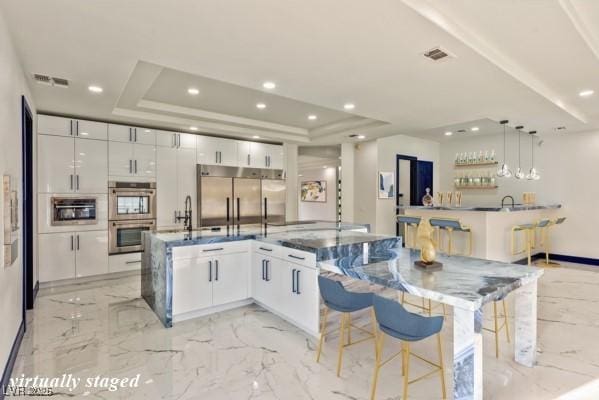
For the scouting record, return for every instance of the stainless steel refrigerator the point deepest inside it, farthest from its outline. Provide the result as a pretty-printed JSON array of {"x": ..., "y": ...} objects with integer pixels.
[{"x": 238, "y": 196}]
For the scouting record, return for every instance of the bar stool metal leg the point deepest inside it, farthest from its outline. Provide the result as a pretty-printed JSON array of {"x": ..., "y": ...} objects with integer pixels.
[{"x": 323, "y": 332}]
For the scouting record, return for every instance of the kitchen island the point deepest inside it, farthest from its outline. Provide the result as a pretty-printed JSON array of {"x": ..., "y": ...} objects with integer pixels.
[
  {"x": 189, "y": 274},
  {"x": 466, "y": 284},
  {"x": 491, "y": 227}
]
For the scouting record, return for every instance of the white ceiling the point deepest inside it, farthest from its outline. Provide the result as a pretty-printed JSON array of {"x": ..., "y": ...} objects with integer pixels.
[{"x": 520, "y": 60}]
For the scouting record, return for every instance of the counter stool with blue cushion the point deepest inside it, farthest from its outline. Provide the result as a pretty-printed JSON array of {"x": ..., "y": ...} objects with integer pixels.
[
  {"x": 397, "y": 322},
  {"x": 451, "y": 225},
  {"x": 409, "y": 221},
  {"x": 337, "y": 298},
  {"x": 529, "y": 239},
  {"x": 545, "y": 242}
]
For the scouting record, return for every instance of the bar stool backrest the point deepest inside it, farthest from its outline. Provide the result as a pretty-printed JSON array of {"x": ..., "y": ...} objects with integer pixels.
[
  {"x": 543, "y": 223},
  {"x": 408, "y": 219},
  {"x": 445, "y": 223},
  {"x": 560, "y": 220}
]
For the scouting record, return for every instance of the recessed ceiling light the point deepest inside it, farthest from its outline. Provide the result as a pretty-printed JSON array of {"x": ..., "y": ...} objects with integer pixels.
[
  {"x": 448, "y": 133},
  {"x": 349, "y": 106},
  {"x": 269, "y": 85},
  {"x": 261, "y": 106},
  {"x": 193, "y": 128},
  {"x": 255, "y": 137},
  {"x": 312, "y": 117},
  {"x": 361, "y": 137},
  {"x": 147, "y": 131},
  {"x": 193, "y": 91},
  {"x": 586, "y": 93},
  {"x": 474, "y": 129},
  {"x": 324, "y": 166},
  {"x": 95, "y": 89}
]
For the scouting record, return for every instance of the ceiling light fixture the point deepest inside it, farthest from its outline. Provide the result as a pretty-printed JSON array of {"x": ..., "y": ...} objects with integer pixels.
[
  {"x": 193, "y": 91},
  {"x": 193, "y": 128},
  {"x": 95, "y": 89},
  {"x": 361, "y": 137},
  {"x": 504, "y": 171},
  {"x": 349, "y": 106},
  {"x": 586, "y": 93},
  {"x": 474, "y": 129},
  {"x": 255, "y": 137},
  {"x": 532, "y": 174},
  {"x": 324, "y": 167},
  {"x": 519, "y": 173},
  {"x": 269, "y": 85},
  {"x": 261, "y": 106},
  {"x": 448, "y": 133},
  {"x": 312, "y": 117}
]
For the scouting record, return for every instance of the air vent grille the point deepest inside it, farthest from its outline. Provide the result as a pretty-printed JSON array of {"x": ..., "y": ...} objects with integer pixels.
[
  {"x": 437, "y": 54},
  {"x": 50, "y": 81}
]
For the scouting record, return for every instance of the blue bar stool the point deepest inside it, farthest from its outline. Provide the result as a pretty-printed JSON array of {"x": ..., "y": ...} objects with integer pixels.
[
  {"x": 529, "y": 239},
  {"x": 409, "y": 221},
  {"x": 397, "y": 322},
  {"x": 547, "y": 263},
  {"x": 451, "y": 225},
  {"x": 337, "y": 298}
]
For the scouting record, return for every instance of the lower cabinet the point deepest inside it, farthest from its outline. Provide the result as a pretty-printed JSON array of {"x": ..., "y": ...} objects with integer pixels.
[{"x": 72, "y": 255}]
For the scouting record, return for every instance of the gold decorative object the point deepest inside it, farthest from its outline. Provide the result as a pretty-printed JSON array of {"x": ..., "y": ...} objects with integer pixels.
[
  {"x": 449, "y": 196},
  {"x": 458, "y": 199},
  {"x": 440, "y": 198},
  {"x": 424, "y": 236}
]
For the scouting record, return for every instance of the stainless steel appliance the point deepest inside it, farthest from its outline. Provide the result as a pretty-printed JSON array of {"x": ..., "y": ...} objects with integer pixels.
[
  {"x": 126, "y": 236},
  {"x": 238, "y": 196},
  {"x": 131, "y": 200},
  {"x": 73, "y": 211},
  {"x": 131, "y": 211}
]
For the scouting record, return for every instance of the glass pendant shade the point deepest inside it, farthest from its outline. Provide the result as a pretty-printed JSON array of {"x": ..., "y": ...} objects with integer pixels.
[
  {"x": 504, "y": 171},
  {"x": 532, "y": 175},
  {"x": 519, "y": 173}
]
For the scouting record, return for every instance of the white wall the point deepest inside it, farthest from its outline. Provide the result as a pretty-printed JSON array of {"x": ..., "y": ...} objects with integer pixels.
[
  {"x": 568, "y": 165},
  {"x": 12, "y": 86},
  {"x": 308, "y": 210},
  {"x": 387, "y": 149},
  {"x": 347, "y": 182},
  {"x": 291, "y": 211},
  {"x": 365, "y": 189}
]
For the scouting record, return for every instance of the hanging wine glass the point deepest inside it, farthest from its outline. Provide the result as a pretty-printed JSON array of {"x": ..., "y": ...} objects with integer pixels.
[
  {"x": 519, "y": 173},
  {"x": 532, "y": 175},
  {"x": 504, "y": 171}
]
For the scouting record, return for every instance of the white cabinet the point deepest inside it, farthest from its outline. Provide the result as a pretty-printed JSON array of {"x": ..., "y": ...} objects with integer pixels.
[
  {"x": 176, "y": 140},
  {"x": 124, "y": 262},
  {"x": 91, "y": 166},
  {"x": 68, "y": 164},
  {"x": 56, "y": 256},
  {"x": 187, "y": 141},
  {"x": 91, "y": 253},
  {"x": 216, "y": 151},
  {"x": 130, "y": 159},
  {"x": 175, "y": 180},
  {"x": 259, "y": 155},
  {"x": 230, "y": 278},
  {"x": 267, "y": 281},
  {"x": 302, "y": 301},
  {"x": 130, "y": 134},
  {"x": 192, "y": 284},
  {"x": 60, "y": 126}
]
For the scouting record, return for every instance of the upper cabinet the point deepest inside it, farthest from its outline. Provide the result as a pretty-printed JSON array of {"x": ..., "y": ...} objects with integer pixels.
[
  {"x": 131, "y": 160},
  {"x": 59, "y": 126},
  {"x": 175, "y": 140},
  {"x": 216, "y": 151},
  {"x": 259, "y": 155},
  {"x": 131, "y": 134}
]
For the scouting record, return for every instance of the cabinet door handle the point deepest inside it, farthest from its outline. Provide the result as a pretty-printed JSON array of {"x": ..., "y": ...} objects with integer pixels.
[
  {"x": 77, "y": 242},
  {"x": 71, "y": 128},
  {"x": 216, "y": 265},
  {"x": 263, "y": 270},
  {"x": 71, "y": 181},
  {"x": 296, "y": 257},
  {"x": 174, "y": 141},
  {"x": 133, "y": 262},
  {"x": 216, "y": 157},
  {"x": 214, "y": 249},
  {"x": 130, "y": 166},
  {"x": 267, "y": 270},
  {"x": 77, "y": 176},
  {"x": 297, "y": 282},
  {"x": 72, "y": 244},
  {"x": 130, "y": 135},
  {"x": 178, "y": 140},
  {"x": 264, "y": 249},
  {"x": 135, "y": 134},
  {"x": 135, "y": 163},
  {"x": 248, "y": 159},
  {"x": 210, "y": 271},
  {"x": 293, "y": 280}
]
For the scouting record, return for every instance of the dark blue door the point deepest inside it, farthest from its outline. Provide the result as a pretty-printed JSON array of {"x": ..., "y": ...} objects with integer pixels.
[{"x": 422, "y": 178}]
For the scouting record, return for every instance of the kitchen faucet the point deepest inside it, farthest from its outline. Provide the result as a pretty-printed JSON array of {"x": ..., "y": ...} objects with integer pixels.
[
  {"x": 187, "y": 216},
  {"x": 505, "y": 197}
]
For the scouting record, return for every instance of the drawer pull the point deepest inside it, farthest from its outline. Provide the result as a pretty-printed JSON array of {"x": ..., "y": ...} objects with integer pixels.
[
  {"x": 296, "y": 257},
  {"x": 216, "y": 249},
  {"x": 264, "y": 248},
  {"x": 133, "y": 262}
]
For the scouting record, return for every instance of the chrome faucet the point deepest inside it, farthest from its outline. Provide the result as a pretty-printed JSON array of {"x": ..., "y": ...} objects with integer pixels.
[
  {"x": 187, "y": 216},
  {"x": 505, "y": 197}
]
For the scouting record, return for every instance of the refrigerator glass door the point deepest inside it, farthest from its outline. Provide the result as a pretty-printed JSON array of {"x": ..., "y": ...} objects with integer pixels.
[
  {"x": 246, "y": 192},
  {"x": 216, "y": 201},
  {"x": 273, "y": 201}
]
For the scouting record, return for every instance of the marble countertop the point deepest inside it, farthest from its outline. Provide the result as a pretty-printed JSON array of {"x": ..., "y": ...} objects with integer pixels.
[
  {"x": 463, "y": 282},
  {"x": 517, "y": 207}
]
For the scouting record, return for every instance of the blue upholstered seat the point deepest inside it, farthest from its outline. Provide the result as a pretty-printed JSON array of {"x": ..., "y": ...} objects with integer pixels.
[
  {"x": 337, "y": 298},
  {"x": 543, "y": 223},
  {"x": 407, "y": 219},
  {"x": 396, "y": 321},
  {"x": 445, "y": 223}
]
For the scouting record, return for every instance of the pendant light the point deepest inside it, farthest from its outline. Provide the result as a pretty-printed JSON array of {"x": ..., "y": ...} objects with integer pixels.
[
  {"x": 504, "y": 171},
  {"x": 519, "y": 173},
  {"x": 532, "y": 174}
]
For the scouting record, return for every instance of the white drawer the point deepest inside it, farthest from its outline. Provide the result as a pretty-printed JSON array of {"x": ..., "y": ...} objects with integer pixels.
[
  {"x": 299, "y": 257},
  {"x": 207, "y": 250},
  {"x": 124, "y": 262}
]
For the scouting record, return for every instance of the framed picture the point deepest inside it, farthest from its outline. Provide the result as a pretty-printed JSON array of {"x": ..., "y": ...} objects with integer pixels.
[
  {"x": 386, "y": 185},
  {"x": 314, "y": 191}
]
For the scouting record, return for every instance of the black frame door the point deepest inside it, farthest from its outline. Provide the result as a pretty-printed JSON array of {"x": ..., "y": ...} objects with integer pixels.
[
  {"x": 29, "y": 292},
  {"x": 421, "y": 177}
]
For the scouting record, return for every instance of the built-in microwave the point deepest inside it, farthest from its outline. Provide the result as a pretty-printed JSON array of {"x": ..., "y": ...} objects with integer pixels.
[
  {"x": 131, "y": 200},
  {"x": 73, "y": 211}
]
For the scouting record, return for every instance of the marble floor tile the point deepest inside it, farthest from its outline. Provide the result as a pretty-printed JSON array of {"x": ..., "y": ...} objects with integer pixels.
[{"x": 106, "y": 329}]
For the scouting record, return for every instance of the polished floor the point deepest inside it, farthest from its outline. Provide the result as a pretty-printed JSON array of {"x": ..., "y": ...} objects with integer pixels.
[{"x": 105, "y": 329}]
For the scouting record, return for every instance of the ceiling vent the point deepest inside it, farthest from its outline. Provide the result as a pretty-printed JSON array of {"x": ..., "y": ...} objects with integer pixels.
[
  {"x": 51, "y": 81},
  {"x": 438, "y": 54}
]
